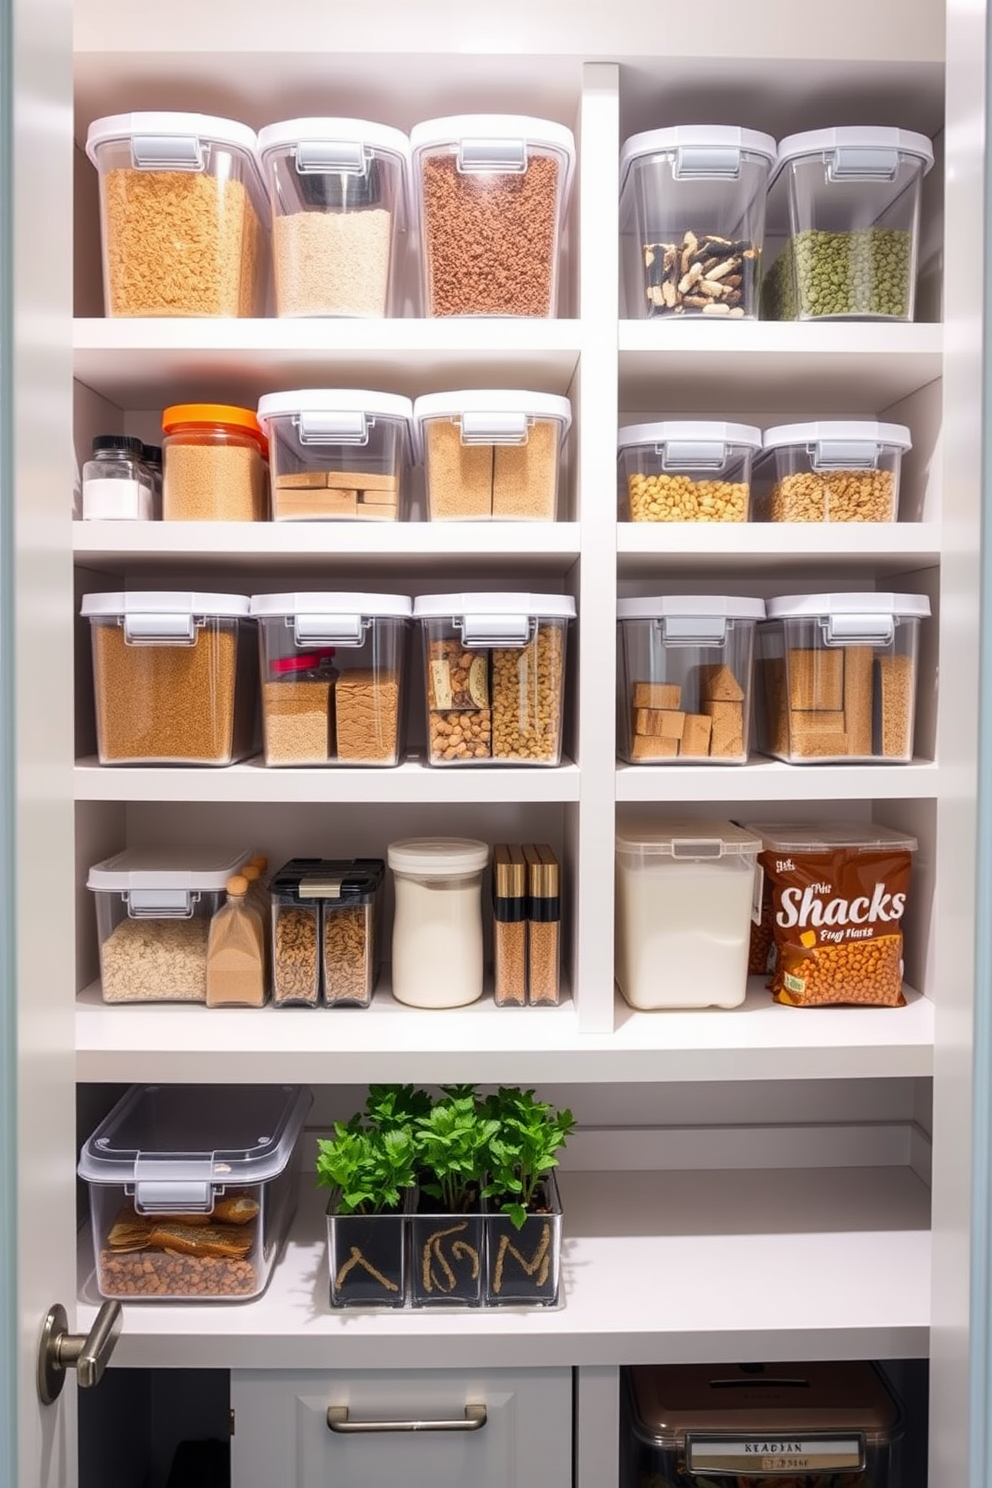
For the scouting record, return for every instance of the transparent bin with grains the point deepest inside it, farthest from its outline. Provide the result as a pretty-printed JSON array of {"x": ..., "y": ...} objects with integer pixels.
[
  {"x": 337, "y": 189},
  {"x": 491, "y": 194},
  {"x": 684, "y": 678},
  {"x": 215, "y": 464},
  {"x": 837, "y": 677},
  {"x": 175, "y": 677},
  {"x": 686, "y": 471},
  {"x": 830, "y": 471},
  {"x": 492, "y": 454},
  {"x": 327, "y": 931},
  {"x": 183, "y": 215},
  {"x": 494, "y": 667},
  {"x": 187, "y": 1202},
  {"x": 338, "y": 454},
  {"x": 153, "y": 913}
]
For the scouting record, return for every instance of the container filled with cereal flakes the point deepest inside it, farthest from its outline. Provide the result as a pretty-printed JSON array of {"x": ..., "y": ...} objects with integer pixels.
[
  {"x": 183, "y": 215},
  {"x": 192, "y": 1190},
  {"x": 830, "y": 471},
  {"x": 685, "y": 471},
  {"x": 492, "y": 454}
]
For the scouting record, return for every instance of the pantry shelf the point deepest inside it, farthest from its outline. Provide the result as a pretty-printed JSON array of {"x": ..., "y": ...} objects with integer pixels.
[
  {"x": 874, "y": 549},
  {"x": 775, "y": 780},
  {"x": 653, "y": 1265}
]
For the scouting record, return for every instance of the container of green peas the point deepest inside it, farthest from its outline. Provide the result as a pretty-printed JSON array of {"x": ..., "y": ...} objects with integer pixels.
[{"x": 853, "y": 225}]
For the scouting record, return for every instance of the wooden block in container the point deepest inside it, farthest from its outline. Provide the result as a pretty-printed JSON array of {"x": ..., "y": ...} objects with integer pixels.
[
  {"x": 816, "y": 680},
  {"x": 374, "y": 513},
  {"x": 659, "y": 722},
  {"x": 653, "y": 747},
  {"x": 301, "y": 480},
  {"x": 804, "y": 724},
  {"x": 657, "y": 695},
  {"x": 895, "y": 689},
  {"x": 360, "y": 480},
  {"x": 727, "y": 737},
  {"x": 717, "y": 684},
  {"x": 814, "y": 744},
  {"x": 859, "y": 673},
  {"x": 696, "y": 733},
  {"x": 375, "y": 497},
  {"x": 315, "y": 504}
]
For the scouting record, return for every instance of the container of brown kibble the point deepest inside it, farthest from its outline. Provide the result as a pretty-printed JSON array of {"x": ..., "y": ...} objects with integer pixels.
[
  {"x": 831, "y": 471},
  {"x": 188, "y": 1202},
  {"x": 338, "y": 454},
  {"x": 332, "y": 677},
  {"x": 175, "y": 677},
  {"x": 495, "y": 676},
  {"x": 491, "y": 192},
  {"x": 685, "y": 471},
  {"x": 183, "y": 215},
  {"x": 837, "y": 677},
  {"x": 684, "y": 678},
  {"x": 215, "y": 464},
  {"x": 326, "y": 931},
  {"x": 491, "y": 454},
  {"x": 338, "y": 191},
  {"x": 153, "y": 912}
]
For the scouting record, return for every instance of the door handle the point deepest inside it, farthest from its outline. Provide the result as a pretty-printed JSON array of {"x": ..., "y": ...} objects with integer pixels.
[
  {"x": 338, "y": 1420},
  {"x": 61, "y": 1350}
]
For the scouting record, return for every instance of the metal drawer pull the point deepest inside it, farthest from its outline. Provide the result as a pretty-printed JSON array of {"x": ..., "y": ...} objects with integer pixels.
[{"x": 473, "y": 1420}]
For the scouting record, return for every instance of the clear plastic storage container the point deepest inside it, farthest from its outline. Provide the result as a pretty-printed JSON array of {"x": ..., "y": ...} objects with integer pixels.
[
  {"x": 837, "y": 676},
  {"x": 492, "y": 194},
  {"x": 492, "y": 453},
  {"x": 215, "y": 466},
  {"x": 495, "y": 676},
  {"x": 684, "y": 891},
  {"x": 692, "y": 219},
  {"x": 684, "y": 678},
  {"x": 337, "y": 454},
  {"x": 175, "y": 677},
  {"x": 830, "y": 471},
  {"x": 183, "y": 215},
  {"x": 339, "y": 215},
  {"x": 854, "y": 215},
  {"x": 153, "y": 912},
  {"x": 332, "y": 677},
  {"x": 188, "y": 1202},
  {"x": 685, "y": 471},
  {"x": 326, "y": 931}
]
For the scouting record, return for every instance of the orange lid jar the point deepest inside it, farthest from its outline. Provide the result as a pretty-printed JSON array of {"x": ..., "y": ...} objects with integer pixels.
[{"x": 215, "y": 464}]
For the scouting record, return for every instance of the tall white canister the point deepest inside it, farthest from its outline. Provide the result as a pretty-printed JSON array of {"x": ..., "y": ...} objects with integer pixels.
[{"x": 437, "y": 925}]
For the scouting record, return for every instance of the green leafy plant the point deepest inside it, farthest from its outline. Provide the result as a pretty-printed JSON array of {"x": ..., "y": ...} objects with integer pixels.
[
  {"x": 522, "y": 1149},
  {"x": 395, "y": 1107},
  {"x": 369, "y": 1167},
  {"x": 452, "y": 1143}
]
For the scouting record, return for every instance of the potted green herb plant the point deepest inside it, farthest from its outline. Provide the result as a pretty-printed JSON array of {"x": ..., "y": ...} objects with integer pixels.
[{"x": 452, "y": 1142}]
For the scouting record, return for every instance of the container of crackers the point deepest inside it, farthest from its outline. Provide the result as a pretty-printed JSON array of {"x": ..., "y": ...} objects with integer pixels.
[
  {"x": 684, "y": 670},
  {"x": 187, "y": 1201}
]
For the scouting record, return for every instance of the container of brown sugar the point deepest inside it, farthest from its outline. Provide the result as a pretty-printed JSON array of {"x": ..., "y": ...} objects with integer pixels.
[
  {"x": 685, "y": 471},
  {"x": 183, "y": 215},
  {"x": 332, "y": 673},
  {"x": 830, "y": 471},
  {"x": 337, "y": 454},
  {"x": 214, "y": 464},
  {"x": 491, "y": 453},
  {"x": 491, "y": 193}
]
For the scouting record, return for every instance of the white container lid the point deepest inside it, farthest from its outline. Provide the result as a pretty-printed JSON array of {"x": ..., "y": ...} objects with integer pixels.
[
  {"x": 695, "y": 137},
  {"x": 149, "y": 125},
  {"x": 454, "y": 129},
  {"x": 689, "y": 431},
  {"x": 437, "y": 857},
  {"x": 166, "y": 602},
  {"x": 492, "y": 400},
  {"x": 841, "y": 431},
  {"x": 380, "y": 138},
  {"x": 184, "y": 868},
  {"x": 815, "y": 837},
  {"x": 542, "y": 606},
  {"x": 371, "y": 606},
  {"x": 333, "y": 400},
  {"x": 691, "y": 606},
  {"x": 811, "y": 606},
  {"x": 693, "y": 837},
  {"x": 854, "y": 137}
]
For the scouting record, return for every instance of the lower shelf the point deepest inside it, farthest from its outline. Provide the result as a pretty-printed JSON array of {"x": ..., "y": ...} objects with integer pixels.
[{"x": 657, "y": 1267}]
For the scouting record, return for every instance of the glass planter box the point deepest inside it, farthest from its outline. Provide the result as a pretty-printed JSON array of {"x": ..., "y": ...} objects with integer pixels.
[
  {"x": 523, "y": 1266},
  {"x": 367, "y": 1258},
  {"x": 447, "y": 1259}
]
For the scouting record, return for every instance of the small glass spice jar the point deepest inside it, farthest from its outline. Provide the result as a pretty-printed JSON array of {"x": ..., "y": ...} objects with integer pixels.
[
  {"x": 216, "y": 466},
  {"x": 117, "y": 485},
  {"x": 509, "y": 925}
]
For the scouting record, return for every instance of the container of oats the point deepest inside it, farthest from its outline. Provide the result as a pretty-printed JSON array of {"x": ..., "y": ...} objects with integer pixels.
[
  {"x": 326, "y": 931},
  {"x": 830, "y": 471},
  {"x": 338, "y": 192},
  {"x": 837, "y": 677},
  {"x": 494, "y": 667},
  {"x": 492, "y": 454},
  {"x": 188, "y": 1203},
  {"x": 338, "y": 454},
  {"x": 332, "y": 674},
  {"x": 175, "y": 677},
  {"x": 183, "y": 215},
  {"x": 686, "y": 471}
]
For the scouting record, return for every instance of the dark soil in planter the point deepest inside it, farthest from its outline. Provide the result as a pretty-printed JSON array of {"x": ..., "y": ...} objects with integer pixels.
[
  {"x": 367, "y": 1256},
  {"x": 522, "y": 1265},
  {"x": 447, "y": 1259}
]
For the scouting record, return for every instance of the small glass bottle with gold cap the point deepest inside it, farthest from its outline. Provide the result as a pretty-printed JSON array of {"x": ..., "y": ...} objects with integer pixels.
[
  {"x": 544, "y": 927},
  {"x": 509, "y": 926},
  {"x": 236, "y": 951}
]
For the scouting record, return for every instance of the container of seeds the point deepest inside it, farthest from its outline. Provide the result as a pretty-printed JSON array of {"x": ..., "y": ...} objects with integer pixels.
[
  {"x": 692, "y": 220},
  {"x": 853, "y": 199},
  {"x": 183, "y": 215},
  {"x": 215, "y": 464},
  {"x": 685, "y": 472},
  {"x": 326, "y": 932},
  {"x": 830, "y": 471},
  {"x": 492, "y": 453}
]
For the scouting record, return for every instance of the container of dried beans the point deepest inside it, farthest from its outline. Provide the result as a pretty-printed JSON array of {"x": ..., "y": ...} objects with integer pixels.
[
  {"x": 175, "y": 677},
  {"x": 183, "y": 215},
  {"x": 187, "y": 1202},
  {"x": 338, "y": 192},
  {"x": 215, "y": 464},
  {"x": 830, "y": 471},
  {"x": 836, "y": 677},
  {"x": 326, "y": 931},
  {"x": 492, "y": 454},
  {"x": 692, "y": 221},
  {"x": 491, "y": 193}
]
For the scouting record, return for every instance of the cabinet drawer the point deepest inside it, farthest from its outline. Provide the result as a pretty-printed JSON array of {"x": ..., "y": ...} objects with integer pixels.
[{"x": 282, "y": 1434}]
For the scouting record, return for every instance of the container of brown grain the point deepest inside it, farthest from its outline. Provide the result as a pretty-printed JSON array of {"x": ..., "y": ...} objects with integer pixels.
[
  {"x": 491, "y": 453},
  {"x": 215, "y": 464},
  {"x": 175, "y": 677},
  {"x": 183, "y": 215}
]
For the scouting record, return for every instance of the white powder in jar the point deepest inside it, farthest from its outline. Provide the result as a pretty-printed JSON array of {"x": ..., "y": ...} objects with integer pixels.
[
  {"x": 437, "y": 941},
  {"x": 332, "y": 263}
]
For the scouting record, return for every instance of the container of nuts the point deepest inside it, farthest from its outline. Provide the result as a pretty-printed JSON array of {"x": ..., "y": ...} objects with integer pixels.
[
  {"x": 495, "y": 676},
  {"x": 326, "y": 931},
  {"x": 692, "y": 221},
  {"x": 187, "y": 1202},
  {"x": 688, "y": 471},
  {"x": 830, "y": 471}
]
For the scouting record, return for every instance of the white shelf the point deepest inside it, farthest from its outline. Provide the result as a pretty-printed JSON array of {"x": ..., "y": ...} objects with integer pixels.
[
  {"x": 758, "y": 1041},
  {"x": 775, "y": 780},
  {"x": 675, "y": 1266},
  {"x": 873, "y": 548}
]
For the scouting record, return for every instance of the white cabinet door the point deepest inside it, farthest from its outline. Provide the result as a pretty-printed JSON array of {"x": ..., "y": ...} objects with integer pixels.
[{"x": 281, "y": 1431}]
